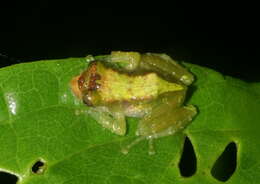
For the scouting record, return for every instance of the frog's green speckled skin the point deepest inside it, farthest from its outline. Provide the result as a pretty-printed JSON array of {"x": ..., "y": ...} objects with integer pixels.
[{"x": 149, "y": 86}]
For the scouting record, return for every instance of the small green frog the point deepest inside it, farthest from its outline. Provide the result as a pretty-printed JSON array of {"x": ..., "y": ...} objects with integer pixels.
[{"x": 149, "y": 86}]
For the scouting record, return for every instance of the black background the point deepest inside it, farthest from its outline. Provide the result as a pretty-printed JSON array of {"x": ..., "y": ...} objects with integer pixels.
[{"x": 220, "y": 36}]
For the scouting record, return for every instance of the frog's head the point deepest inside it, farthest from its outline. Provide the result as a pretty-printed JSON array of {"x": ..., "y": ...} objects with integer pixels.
[{"x": 86, "y": 85}]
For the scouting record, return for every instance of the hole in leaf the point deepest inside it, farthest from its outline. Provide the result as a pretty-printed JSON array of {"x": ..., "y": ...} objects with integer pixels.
[
  {"x": 39, "y": 167},
  {"x": 188, "y": 162},
  {"x": 226, "y": 164},
  {"x": 8, "y": 178}
]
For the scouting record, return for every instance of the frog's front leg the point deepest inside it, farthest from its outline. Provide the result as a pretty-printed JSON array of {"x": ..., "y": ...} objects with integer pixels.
[
  {"x": 111, "y": 118},
  {"x": 166, "y": 118}
]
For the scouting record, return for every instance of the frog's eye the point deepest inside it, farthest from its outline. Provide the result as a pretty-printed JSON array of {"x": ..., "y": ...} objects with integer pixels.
[
  {"x": 87, "y": 99},
  {"x": 92, "y": 98}
]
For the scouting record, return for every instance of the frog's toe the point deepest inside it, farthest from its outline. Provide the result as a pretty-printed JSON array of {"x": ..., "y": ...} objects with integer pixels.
[
  {"x": 126, "y": 149},
  {"x": 151, "y": 150}
]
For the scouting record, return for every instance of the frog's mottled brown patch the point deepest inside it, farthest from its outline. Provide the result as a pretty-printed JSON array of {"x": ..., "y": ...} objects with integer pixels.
[
  {"x": 83, "y": 84},
  {"x": 91, "y": 77},
  {"x": 81, "y": 81},
  {"x": 92, "y": 82}
]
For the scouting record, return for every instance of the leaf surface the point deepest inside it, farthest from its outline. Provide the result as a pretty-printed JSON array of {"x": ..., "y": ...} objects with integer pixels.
[{"x": 40, "y": 119}]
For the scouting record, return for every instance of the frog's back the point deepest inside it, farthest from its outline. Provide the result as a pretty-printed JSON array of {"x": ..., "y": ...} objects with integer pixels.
[{"x": 116, "y": 86}]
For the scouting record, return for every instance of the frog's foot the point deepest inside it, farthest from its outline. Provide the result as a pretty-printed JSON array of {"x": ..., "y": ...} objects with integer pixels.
[
  {"x": 151, "y": 150},
  {"x": 150, "y": 138},
  {"x": 126, "y": 149}
]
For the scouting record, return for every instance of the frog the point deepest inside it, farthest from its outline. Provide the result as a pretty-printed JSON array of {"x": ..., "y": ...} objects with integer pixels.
[{"x": 149, "y": 86}]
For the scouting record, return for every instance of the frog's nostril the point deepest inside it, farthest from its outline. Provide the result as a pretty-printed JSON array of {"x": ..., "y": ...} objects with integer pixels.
[
  {"x": 225, "y": 165},
  {"x": 188, "y": 162}
]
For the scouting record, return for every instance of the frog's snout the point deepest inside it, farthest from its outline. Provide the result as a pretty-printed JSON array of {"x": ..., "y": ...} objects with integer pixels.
[{"x": 75, "y": 87}]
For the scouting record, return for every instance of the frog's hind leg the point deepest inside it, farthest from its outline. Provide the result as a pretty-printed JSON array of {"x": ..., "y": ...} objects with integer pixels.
[
  {"x": 154, "y": 126},
  {"x": 126, "y": 149},
  {"x": 150, "y": 139},
  {"x": 151, "y": 150},
  {"x": 166, "y": 66}
]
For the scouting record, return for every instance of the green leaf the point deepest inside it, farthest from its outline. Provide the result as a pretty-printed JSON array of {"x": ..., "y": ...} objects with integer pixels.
[{"x": 40, "y": 120}]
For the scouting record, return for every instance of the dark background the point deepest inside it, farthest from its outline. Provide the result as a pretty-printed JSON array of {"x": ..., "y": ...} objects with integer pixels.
[{"x": 221, "y": 37}]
